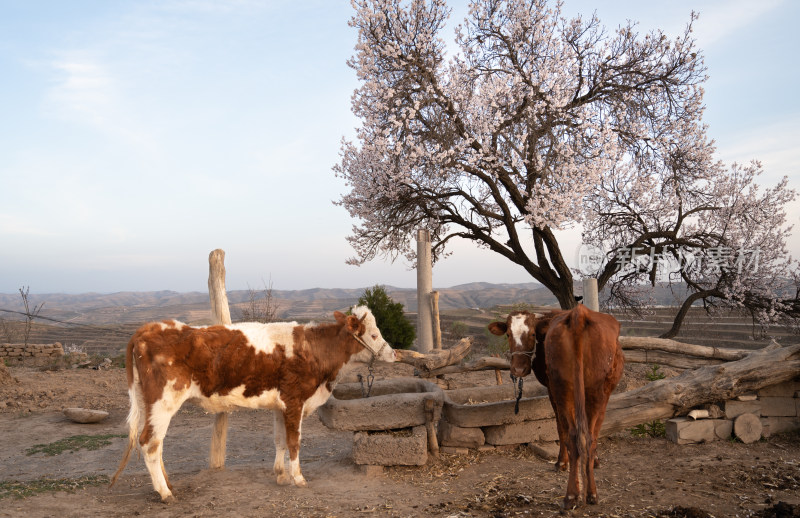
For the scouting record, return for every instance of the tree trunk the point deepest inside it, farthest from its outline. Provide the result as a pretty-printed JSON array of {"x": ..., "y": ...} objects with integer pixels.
[
  {"x": 677, "y": 322},
  {"x": 667, "y": 398}
]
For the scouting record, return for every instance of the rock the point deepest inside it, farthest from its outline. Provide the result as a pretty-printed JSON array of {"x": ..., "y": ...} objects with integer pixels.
[
  {"x": 85, "y": 415},
  {"x": 545, "y": 450}
]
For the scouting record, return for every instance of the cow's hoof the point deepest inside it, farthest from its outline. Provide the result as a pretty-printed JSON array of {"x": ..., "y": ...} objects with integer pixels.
[
  {"x": 592, "y": 499},
  {"x": 569, "y": 503},
  {"x": 168, "y": 499},
  {"x": 596, "y": 462},
  {"x": 284, "y": 480},
  {"x": 562, "y": 466},
  {"x": 300, "y": 482}
]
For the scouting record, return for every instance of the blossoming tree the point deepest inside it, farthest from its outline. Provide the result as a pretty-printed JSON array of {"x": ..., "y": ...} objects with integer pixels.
[{"x": 538, "y": 123}]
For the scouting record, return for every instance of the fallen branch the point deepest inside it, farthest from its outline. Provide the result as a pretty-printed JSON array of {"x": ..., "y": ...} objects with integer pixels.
[
  {"x": 435, "y": 359},
  {"x": 648, "y": 343}
]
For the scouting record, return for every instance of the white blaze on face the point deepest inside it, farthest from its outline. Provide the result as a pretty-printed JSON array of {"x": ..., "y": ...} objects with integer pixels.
[
  {"x": 372, "y": 336},
  {"x": 518, "y": 329}
]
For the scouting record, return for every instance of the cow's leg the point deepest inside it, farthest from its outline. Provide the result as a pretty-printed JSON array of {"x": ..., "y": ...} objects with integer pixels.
[
  {"x": 574, "y": 489},
  {"x": 280, "y": 449},
  {"x": 596, "y": 413},
  {"x": 293, "y": 418},
  {"x": 157, "y": 420},
  {"x": 562, "y": 463}
]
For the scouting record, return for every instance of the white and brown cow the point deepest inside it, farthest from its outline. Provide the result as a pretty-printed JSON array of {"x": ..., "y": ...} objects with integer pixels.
[{"x": 286, "y": 367}]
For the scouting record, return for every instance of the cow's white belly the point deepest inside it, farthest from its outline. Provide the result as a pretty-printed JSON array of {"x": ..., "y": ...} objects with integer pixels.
[{"x": 235, "y": 398}]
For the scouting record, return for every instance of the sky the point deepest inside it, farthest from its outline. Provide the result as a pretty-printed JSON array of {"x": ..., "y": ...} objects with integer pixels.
[{"x": 138, "y": 136}]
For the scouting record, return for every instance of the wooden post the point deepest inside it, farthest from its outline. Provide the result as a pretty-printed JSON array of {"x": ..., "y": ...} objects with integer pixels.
[
  {"x": 216, "y": 287},
  {"x": 424, "y": 288},
  {"x": 437, "y": 325},
  {"x": 222, "y": 315},
  {"x": 590, "y": 297},
  {"x": 433, "y": 442}
]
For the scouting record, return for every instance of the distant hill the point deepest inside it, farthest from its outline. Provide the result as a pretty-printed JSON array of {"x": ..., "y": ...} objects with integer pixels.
[
  {"x": 316, "y": 303},
  {"x": 108, "y": 308}
]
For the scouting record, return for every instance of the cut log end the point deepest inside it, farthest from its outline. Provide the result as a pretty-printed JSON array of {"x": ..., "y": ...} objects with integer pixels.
[{"x": 747, "y": 427}]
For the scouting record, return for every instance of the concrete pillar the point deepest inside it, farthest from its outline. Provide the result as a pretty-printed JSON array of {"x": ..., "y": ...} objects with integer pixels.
[
  {"x": 590, "y": 297},
  {"x": 424, "y": 289}
]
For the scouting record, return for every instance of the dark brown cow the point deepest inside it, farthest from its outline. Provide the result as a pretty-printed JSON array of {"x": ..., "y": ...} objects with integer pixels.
[
  {"x": 286, "y": 367},
  {"x": 576, "y": 355}
]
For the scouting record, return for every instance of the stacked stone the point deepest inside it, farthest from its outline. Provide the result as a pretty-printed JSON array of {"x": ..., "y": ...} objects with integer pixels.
[
  {"x": 31, "y": 353},
  {"x": 492, "y": 422},
  {"x": 391, "y": 425},
  {"x": 773, "y": 409}
]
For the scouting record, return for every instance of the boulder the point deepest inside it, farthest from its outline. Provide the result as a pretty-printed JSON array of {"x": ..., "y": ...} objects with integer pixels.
[{"x": 85, "y": 415}]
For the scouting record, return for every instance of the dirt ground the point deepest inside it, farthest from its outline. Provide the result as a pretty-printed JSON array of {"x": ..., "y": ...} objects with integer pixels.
[{"x": 637, "y": 477}]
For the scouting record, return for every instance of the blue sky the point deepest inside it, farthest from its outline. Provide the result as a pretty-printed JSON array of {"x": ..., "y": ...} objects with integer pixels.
[{"x": 137, "y": 136}]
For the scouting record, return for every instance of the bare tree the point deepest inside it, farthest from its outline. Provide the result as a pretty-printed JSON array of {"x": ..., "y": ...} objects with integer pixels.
[
  {"x": 30, "y": 314},
  {"x": 538, "y": 124},
  {"x": 261, "y": 306}
]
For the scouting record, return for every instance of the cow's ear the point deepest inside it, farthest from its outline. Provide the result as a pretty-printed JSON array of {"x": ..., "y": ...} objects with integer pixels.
[
  {"x": 498, "y": 328},
  {"x": 537, "y": 316},
  {"x": 352, "y": 323},
  {"x": 339, "y": 316}
]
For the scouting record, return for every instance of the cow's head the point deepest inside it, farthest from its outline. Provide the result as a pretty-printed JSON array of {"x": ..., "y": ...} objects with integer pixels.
[
  {"x": 520, "y": 328},
  {"x": 361, "y": 324}
]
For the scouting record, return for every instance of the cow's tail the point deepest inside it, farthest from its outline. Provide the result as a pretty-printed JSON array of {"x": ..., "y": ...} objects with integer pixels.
[
  {"x": 583, "y": 437},
  {"x": 134, "y": 413}
]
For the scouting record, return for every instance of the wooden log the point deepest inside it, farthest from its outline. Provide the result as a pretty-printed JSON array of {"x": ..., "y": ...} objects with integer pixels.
[
  {"x": 437, "y": 325},
  {"x": 671, "y": 346},
  {"x": 667, "y": 398},
  {"x": 748, "y": 428},
  {"x": 480, "y": 364},
  {"x": 668, "y": 359},
  {"x": 435, "y": 359},
  {"x": 222, "y": 315}
]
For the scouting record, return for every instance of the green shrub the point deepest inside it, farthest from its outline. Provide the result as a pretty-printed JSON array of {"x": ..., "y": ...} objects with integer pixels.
[
  {"x": 652, "y": 429},
  {"x": 390, "y": 318},
  {"x": 654, "y": 374}
]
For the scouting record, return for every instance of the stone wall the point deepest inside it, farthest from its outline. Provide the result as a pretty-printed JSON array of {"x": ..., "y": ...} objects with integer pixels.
[
  {"x": 770, "y": 410},
  {"x": 31, "y": 354}
]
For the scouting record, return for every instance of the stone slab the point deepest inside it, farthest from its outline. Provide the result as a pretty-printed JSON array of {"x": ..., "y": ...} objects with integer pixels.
[
  {"x": 519, "y": 433},
  {"x": 495, "y": 406},
  {"x": 785, "y": 389},
  {"x": 391, "y": 448},
  {"x": 775, "y": 425},
  {"x": 545, "y": 450},
  {"x": 450, "y": 450},
  {"x": 456, "y": 436},
  {"x": 393, "y": 404},
  {"x": 734, "y": 409},
  {"x": 683, "y": 430},
  {"x": 778, "y": 406}
]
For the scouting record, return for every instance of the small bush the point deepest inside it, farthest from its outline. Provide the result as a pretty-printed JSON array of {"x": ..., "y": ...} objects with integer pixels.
[
  {"x": 652, "y": 429},
  {"x": 390, "y": 318},
  {"x": 654, "y": 373}
]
